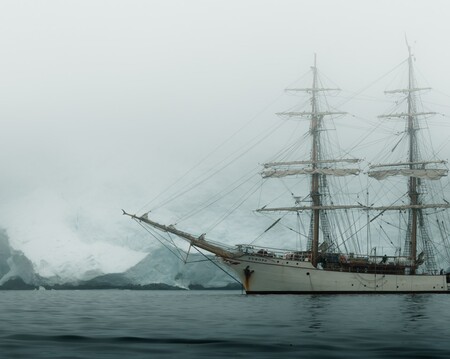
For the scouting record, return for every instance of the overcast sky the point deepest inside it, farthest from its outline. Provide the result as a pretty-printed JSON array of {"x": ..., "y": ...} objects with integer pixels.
[{"x": 98, "y": 98}]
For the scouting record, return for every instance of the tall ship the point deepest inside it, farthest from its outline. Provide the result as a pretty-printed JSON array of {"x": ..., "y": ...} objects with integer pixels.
[{"x": 341, "y": 252}]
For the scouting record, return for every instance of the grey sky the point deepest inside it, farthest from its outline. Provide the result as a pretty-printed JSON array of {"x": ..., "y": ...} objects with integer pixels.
[{"x": 99, "y": 98}]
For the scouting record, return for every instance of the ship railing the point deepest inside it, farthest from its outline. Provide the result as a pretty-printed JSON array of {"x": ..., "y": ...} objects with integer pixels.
[
  {"x": 274, "y": 252},
  {"x": 375, "y": 259},
  {"x": 342, "y": 258}
]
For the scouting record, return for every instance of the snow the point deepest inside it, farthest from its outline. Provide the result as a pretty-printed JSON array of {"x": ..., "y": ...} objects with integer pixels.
[
  {"x": 73, "y": 240},
  {"x": 40, "y": 225}
]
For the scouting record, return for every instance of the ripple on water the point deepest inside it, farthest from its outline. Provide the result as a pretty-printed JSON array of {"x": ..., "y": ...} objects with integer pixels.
[{"x": 113, "y": 324}]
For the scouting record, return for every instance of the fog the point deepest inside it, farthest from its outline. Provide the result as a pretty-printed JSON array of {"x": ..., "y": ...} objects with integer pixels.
[{"x": 103, "y": 104}]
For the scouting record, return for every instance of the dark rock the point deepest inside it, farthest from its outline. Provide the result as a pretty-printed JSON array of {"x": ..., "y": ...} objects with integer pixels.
[{"x": 17, "y": 283}]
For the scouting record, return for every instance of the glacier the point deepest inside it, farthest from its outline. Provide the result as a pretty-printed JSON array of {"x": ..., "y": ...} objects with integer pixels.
[
  {"x": 14, "y": 264},
  {"x": 74, "y": 235},
  {"x": 159, "y": 266}
]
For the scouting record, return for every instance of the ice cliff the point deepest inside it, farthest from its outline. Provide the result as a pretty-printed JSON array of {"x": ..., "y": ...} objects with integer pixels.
[
  {"x": 14, "y": 264},
  {"x": 159, "y": 266}
]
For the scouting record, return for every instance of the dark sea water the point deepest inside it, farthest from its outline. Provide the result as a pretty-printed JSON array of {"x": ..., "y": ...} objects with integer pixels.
[{"x": 221, "y": 324}]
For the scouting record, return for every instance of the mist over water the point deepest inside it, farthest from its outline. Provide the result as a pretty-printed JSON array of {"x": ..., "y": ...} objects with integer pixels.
[
  {"x": 111, "y": 324},
  {"x": 104, "y": 104},
  {"x": 106, "y": 115}
]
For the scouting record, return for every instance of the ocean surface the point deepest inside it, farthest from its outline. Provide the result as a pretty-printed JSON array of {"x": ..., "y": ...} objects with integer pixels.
[{"x": 221, "y": 324}]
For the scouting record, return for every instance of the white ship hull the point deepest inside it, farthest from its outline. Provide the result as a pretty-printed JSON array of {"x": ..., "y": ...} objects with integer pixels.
[{"x": 277, "y": 276}]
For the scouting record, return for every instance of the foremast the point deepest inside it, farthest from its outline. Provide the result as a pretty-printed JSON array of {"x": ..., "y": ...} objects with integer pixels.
[
  {"x": 316, "y": 121},
  {"x": 317, "y": 169}
]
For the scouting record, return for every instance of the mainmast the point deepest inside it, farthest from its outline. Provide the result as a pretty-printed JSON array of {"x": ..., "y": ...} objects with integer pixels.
[
  {"x": 412, "y": 190},
  {"x": 416, "y": 169}
]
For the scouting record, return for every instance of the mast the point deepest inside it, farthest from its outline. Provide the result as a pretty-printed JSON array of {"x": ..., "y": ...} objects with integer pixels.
[
  {"x": 315, "y": 196},
  {"x": 416, "y": 169},
  {"x": 412, "y": 190},
  {"x": 316, "y": 167}
]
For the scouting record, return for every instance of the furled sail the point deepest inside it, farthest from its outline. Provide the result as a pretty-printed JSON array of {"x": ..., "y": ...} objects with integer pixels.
[
  {"x": 356, "y": 206},
  {"x": 277, "y": 173},
  {"x": 431, "y": 174},
  {"x": 289, "y": 163},
  {"x": 306, "y": 113}
]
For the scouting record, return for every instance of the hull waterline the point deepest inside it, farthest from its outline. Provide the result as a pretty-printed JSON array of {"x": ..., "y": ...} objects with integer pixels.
[{"x": 277, "y": 276}]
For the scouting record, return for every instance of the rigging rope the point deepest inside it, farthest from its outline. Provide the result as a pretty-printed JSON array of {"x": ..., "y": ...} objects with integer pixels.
[
  {"x": 237, "y": 205},
  {"x": 245, "y": 178},
  {"x": 214, "y": 151},
  {"x": 194, "y": 185},
  {"x": 160, "y": 241},
  {"x": 147, "y": 229},
  {"x": 223, "y": 270}
]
